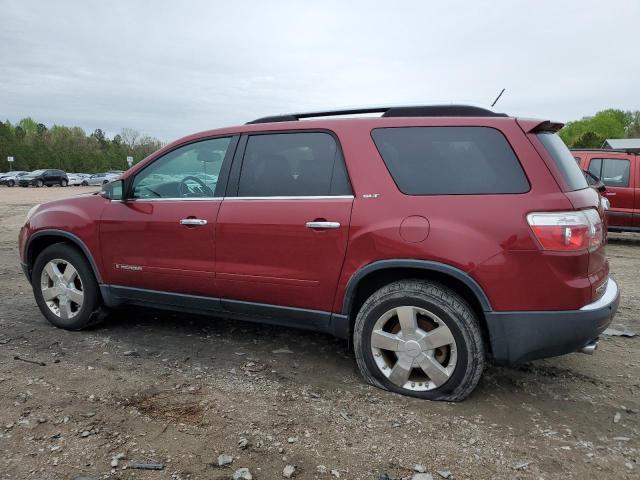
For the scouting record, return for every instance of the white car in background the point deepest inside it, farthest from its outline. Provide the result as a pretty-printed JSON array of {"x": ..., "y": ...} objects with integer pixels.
[
  {"x": 10, "y": 179},
  {"x": 100, "y": 178},
  {"x": 76, "y": 179}
]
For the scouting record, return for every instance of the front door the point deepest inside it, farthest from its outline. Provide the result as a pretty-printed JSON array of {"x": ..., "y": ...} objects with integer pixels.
[
  {"x": 162, "y": 237},
  {"x": 615, "y": 173},
  {"x": 282, "y": 238}
]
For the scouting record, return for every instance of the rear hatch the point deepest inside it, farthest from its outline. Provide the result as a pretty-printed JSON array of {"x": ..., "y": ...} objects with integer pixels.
[{"x": 573, "y": 184}]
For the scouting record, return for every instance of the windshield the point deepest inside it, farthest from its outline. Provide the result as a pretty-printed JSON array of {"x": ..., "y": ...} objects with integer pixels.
[{"x": 37, "y": 172}]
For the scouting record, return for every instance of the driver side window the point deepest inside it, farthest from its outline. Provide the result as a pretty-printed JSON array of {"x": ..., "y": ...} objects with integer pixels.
[{"x": 190, "y": 171}]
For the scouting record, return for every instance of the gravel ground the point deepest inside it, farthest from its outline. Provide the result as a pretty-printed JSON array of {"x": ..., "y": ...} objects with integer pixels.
[{"x": 182, "y": 390}]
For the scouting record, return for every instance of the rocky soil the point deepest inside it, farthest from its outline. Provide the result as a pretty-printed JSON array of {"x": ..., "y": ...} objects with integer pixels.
[{"x": 206, "y": 398}]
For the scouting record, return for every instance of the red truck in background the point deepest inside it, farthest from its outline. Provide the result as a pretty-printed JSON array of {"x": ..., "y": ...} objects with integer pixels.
[{"x": 619, "y": 171}]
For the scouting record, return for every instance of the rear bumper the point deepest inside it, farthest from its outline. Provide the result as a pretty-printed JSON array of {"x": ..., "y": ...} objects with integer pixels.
[{"x": 517, "y": 337}]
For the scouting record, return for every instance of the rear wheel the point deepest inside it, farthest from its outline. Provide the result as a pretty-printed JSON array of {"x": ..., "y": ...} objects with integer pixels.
[
  {"x": 10, "y": 183},
  {"x": 63, "y": 183},
  {"x": 65, "y": 288},
  {"x": 420, "y": 339},
  {"x": 85, "y": 184}
]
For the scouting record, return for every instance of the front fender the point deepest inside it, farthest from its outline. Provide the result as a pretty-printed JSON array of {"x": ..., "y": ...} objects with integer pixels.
[{"x": 75, "y": 220}]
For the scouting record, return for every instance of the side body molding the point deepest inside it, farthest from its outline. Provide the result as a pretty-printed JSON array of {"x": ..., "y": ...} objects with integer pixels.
[{"x": 415, "y": 264}]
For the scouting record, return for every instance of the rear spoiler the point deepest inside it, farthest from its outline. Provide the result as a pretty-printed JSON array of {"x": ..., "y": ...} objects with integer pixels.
[{"x": 529, "y": 125}]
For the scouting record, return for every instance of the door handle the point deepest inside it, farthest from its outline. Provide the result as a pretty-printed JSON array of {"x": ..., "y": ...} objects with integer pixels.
[
  {"x": 610, "y": 194},
  {"x": 193, "y": 222},
  {"x": 322, "y": 225}
]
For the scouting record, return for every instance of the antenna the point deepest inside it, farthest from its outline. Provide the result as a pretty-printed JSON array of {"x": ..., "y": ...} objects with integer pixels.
[{"x": 498, "y": 97}]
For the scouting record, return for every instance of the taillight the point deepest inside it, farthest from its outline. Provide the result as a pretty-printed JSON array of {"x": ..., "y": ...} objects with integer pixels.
[{"x": 567, "y": 231}]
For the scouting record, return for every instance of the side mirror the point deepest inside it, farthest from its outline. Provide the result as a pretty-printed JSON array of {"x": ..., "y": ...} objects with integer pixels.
[{"x": 112, "y": 190}]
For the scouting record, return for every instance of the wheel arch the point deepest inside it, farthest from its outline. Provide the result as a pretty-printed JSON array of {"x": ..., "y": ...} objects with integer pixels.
[
  {"x": 370, "y": 278},
  {"x": 45, "y": 238}
]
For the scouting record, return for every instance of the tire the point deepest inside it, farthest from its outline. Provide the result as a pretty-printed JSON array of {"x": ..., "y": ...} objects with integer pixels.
[
  {"x": 63, "y": 183},
  {"x": 39, "y": 183},
  {"x": 85, "y": 184},
  {"x": 455, "y": 367},
  {"x": 10, "y": 183},
  {"x": 61, "y": 256},
  {"x": 104, "y": 182}
]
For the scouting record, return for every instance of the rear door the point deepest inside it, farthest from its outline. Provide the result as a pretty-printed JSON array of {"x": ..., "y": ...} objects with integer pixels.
[
  {"x": 282, "y": 231},
  {"x": 616, "y": 173}
]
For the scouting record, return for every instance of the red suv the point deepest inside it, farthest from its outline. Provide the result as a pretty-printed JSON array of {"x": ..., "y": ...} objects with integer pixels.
[
  {"x": 431, "y": 238},
  {"x": 619, "y": 171}
]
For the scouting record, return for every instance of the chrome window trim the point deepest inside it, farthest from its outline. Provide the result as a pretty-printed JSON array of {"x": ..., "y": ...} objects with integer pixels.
[
  {"x": 174, "y": 199},
  {"x": 295, "y": 197},
  {"x": 202, "y": 199}
]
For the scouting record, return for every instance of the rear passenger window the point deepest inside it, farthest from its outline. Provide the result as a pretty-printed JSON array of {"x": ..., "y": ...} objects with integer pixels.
[
  {"x": 614, "y": 172},
  {"x": 450, "y": 160},
  {"x": 293, "y": 164},
  {"x": 569, "y": 169}
]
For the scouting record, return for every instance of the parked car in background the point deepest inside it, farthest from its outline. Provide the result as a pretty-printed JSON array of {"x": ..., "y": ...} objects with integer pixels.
[
  {"x": 39, "y": 178},
  {"x": 432, "y": 238},
  {"x": 76, "y": 179},
  {"x": 10, "y": 179},
  {"x": 619, "y": 171},
  {"x": 100, "y": 178}
]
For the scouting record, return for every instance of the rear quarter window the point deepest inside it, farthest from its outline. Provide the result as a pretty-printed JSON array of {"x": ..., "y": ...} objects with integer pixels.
[
  {"x": 564, "y": 160},
  {"x": 450, "y": 160}
]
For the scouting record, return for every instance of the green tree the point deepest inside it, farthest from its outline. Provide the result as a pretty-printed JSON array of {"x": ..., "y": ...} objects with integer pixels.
[
  {"x": 34, "y": 146},
  {"x": 610, "y": 123},
  {"x": 633, "y": 128}
]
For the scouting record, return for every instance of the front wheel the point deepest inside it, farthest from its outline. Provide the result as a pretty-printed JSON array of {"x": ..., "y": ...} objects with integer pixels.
[
  {"x": 39, "y": 183},
  {"x": 63, "y": 183},
  {"x": 10, "y": 183},
  {"x": 85, "y": 184},
  {"x": 421, "y": 339},
  {"x": 65, "y": 288}
]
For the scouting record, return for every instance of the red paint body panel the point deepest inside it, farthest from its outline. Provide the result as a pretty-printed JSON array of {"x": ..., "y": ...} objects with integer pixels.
[
  {"x": 261, "y": 251},
  {"x": 636, "y": 212},
  {"x": 266, "y": 254},
  {"x": 77, "y": 215},
  {"x": 170, "y": 256}
]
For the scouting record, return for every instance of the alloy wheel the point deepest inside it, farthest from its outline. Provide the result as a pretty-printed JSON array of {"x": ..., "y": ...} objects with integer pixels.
[
  {"x": 413, "y": 348},
  {"x": 62, "y": 288}
]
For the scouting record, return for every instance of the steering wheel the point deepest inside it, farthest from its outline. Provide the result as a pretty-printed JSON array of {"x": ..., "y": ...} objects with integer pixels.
[{"x": 185, "y": 191}]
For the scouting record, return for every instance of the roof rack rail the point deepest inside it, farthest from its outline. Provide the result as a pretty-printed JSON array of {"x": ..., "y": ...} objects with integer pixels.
[
  {"x": 415, "y": 111},
  {"x": 607, "y": 150}
]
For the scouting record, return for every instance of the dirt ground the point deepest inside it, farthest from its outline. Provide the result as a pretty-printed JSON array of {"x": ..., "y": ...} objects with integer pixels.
[{"x": 180, "y": 390}]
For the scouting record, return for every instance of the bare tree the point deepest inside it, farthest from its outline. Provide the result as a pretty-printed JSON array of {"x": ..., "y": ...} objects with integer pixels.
[{"x": 130, "y": 137}]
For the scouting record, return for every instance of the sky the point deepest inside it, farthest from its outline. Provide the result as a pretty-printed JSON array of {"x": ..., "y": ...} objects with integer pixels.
[{"x": 168, "y": 69}]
